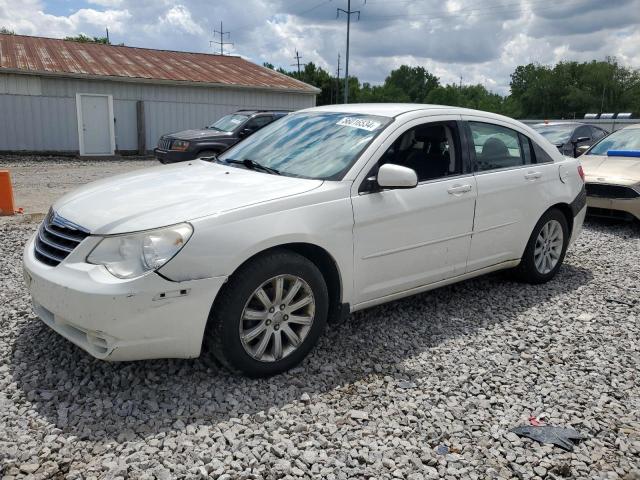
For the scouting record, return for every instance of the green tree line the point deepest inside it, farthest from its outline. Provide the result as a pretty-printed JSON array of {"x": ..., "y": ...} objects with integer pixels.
[{"x": 565, "y": 90}]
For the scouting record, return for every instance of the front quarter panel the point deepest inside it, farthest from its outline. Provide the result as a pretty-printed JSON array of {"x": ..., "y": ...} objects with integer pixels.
[{"x": 220, "y": 244}]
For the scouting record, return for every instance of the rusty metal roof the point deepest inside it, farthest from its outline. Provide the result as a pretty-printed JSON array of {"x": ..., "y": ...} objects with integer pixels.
[{"x": 51, "y": 56}]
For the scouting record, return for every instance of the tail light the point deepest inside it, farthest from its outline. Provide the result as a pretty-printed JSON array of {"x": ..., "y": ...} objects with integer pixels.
[{"x": 581, "y": 172}]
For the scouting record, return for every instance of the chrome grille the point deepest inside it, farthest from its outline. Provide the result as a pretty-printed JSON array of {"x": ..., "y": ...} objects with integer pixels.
[
  {"x": 57, "y": 238},
  {"x": 164, "y": 143}
]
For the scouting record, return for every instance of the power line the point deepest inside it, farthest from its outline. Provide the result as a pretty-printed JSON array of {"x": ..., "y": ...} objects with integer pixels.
[
  {"x": 348, "y": 12},
  {"x": 297, "y": 58},
  {"x": 313, "y": 8},
  {"x": 221, "y": 42}
]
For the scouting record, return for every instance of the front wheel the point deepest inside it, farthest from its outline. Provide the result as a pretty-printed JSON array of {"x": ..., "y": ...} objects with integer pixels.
[
  {"x": 546, "y": 248},
  {"x": 269, "y": 315}
]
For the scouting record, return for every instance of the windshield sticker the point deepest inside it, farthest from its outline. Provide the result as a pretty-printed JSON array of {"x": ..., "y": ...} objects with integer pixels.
[
  {"x": 234, "y": 120},
  {"x": 361, "y": 123}
]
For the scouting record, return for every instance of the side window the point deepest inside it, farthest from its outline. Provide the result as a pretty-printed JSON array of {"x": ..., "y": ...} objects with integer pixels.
[
  {"x": 432, "y": 150},
  {"x": 582, "y": 131},
  {"x": 540, "y": 155},
  {"x": 497, "y": 147},
  {"x": 527, "y": 150},
  {"x": 257, "y": 123},
  {"x": 597, "y": 133}
]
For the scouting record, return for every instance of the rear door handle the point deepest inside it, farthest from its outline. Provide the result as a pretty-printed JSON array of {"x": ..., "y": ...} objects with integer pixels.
[
  {"x": 532, "y": 175},
  {"x": 459, "y": 189}
]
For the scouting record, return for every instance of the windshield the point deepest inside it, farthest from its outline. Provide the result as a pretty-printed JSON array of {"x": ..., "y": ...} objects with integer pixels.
[
  {"x": 556, "y": 134},
  {"x": 626, "y": 139},
  {"x": 228, "y": 123},
  {"x": 319, "y": 145}
]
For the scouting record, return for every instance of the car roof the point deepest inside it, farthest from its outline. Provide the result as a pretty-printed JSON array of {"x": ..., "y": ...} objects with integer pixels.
[
  {"x": 396, "y": 109},
  {"x": 555, "y": 124},
  {"x": 631, "y": 127},
  {"x": 253, "y": 112}
]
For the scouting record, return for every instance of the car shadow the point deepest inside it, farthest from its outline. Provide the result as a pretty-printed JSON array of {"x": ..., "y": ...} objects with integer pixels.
[
  {"x": 97, "y": 400},
  {"x": 621, "y": 228}
]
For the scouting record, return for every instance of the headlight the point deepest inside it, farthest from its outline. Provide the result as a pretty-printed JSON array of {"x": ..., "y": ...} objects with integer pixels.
[
  {"x": 132, "y": 255},
  {"x": 180, "y": 145}
]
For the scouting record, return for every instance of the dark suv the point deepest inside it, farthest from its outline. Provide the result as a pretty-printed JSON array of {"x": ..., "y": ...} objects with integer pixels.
[{"x": 216, "y": 138}]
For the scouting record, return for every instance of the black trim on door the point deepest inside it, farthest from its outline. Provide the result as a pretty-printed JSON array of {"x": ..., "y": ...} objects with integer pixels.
[{"x": 469, "y": 163}]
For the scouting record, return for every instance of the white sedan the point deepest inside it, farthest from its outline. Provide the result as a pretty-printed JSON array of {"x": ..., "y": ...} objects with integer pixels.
[{"x": 326, "y": 211}]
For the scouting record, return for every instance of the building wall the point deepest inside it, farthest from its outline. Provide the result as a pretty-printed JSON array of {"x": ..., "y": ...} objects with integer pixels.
[{"x": 39, "y": 113}]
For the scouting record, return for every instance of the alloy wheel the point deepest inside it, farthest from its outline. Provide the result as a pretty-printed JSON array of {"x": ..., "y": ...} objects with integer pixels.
[
  {"x": 548, "y": 248},
  {"x": 277, "y": 318}
]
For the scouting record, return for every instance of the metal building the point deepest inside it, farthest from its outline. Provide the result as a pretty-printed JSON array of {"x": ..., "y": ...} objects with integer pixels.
[{"x": 93, "y": 99}]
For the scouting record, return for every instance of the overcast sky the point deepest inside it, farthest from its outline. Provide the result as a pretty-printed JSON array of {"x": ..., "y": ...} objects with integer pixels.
[{"x": 482, "y": 41}]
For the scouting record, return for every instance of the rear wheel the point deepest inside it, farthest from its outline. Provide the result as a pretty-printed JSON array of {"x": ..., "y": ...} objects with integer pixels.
[
  {"x": 269, "y": 315},
  {"x": 546, "y": 248}
]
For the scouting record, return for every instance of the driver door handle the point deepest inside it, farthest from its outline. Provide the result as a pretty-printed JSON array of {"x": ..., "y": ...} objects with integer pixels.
[
  {"x": 532, "y": 175},
  {"x": 459, "y": 189}
]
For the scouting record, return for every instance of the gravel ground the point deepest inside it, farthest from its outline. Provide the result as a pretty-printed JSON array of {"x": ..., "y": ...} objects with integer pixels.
[
  {"x": 380, "y": 397},
  {"x": 40, "y": 180}
]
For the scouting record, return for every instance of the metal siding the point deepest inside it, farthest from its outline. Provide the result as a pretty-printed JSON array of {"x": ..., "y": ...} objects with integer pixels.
[
  {"x": 20, "y": 84},
  {"x": 126, "y": 118},
  {"x": 167, "y": 109},
  {"x": 38, "y": 123}
]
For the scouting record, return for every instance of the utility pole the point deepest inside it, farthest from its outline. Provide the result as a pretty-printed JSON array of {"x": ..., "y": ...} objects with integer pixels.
[
  {"x": 460, "y": 82},
  {"x": 348, "y": 12},
  {"x": 338, "y": 81},
  {"x": 222, "y": 43},
  {"x": 297, "y": 59}
]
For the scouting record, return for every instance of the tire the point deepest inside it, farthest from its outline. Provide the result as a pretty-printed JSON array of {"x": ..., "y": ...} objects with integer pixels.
[
  {"x": 534, "y": 268},
  {"x": 240, "y": 311},
  {"x": 207, "y": 153}
]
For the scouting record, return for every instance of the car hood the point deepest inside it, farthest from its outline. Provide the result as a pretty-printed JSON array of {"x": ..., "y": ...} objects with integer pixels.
[
  {"x": 165, "y": 195},
  {"x": 198, "y": 134},
  {"x": 601, "y": 168}
]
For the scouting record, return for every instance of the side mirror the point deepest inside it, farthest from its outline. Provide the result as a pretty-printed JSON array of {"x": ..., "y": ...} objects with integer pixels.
[
  {"x": 396, "y": 176},
  {"x": 581, "y": 149},
  {"x": 245, "y": 132}
]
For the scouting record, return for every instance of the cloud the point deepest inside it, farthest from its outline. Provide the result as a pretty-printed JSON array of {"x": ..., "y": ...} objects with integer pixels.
[
  {"x": 179, "y": 17},
  {"x": 482, "y": 42},
  {"x": 107, "y": 3}
]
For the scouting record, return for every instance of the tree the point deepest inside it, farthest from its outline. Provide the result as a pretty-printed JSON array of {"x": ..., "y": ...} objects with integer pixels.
[
  {"x": 82, "y": 38},
  {"x": 6, "y": 31},
  {"x": 565, "y": 90},
  {"x": 571, "y": 89},
  {"x": 413, "y": 82}
]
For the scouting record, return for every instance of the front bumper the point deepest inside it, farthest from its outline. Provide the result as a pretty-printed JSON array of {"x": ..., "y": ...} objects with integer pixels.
[
  {"x": 609, "y": 207},
  {"x": 173, "y": 156},
  {"x": 114, "y": 319}
]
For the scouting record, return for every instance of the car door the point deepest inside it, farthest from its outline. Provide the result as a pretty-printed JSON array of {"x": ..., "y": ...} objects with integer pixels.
[
  {"x": 407, "y": 238},
  {"x": 253, "y": 125},
  {"x": 514, "y": 187}
]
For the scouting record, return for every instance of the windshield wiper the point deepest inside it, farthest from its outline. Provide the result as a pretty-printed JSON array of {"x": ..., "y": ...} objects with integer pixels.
[{"x": 252, "y": 165}]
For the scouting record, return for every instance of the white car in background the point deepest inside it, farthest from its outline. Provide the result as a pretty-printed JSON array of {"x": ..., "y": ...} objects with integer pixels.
[{"x": 324, "y": 212}]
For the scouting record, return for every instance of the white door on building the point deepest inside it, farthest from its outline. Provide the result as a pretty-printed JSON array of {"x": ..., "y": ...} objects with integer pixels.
[{"x": 95, "y": 124}]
